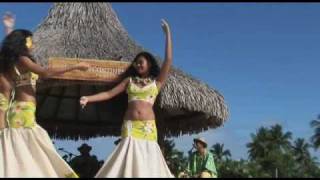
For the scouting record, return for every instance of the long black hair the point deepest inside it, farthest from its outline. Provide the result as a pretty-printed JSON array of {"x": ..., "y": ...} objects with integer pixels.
[
  {"x": 154, "y": 70},
  {"x": 14, "y": 46}
]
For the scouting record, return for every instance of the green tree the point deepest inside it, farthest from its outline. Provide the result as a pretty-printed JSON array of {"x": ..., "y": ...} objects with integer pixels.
[
  {"x": 219, "y": 152},
  {"x": 279, "y": 140},
  {"x": 307, "y": 166},
  {"x": 232, "y": 169},
  {"x": 175, "y": 159},
  {"x": 301, "y": 151},
  {"x": 315, "y": 139},
  {"x": 258, "y": 146},
  {"x": 271, "y": 148}
]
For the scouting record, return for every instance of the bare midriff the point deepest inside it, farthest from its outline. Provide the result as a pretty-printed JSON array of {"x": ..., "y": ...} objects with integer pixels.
[
  {"x": 139, "y": 110},
  {"x": 25, "y": 93}
]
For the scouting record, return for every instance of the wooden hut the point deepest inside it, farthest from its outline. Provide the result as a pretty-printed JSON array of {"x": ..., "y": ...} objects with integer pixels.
[{"x": 93, "y": 31}]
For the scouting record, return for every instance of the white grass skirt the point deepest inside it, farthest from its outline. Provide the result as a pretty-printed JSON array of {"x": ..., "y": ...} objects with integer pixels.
[
  {"x": 29, "y": 152},
  {"x": 134, "y": 157}
]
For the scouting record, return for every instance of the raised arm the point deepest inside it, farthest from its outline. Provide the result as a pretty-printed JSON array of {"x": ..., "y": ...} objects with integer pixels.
[
  {"x": 47, "y": 73},
  {"x": 8, "y": 22},
  {"x": 103, "y": 96},
  {"x": 165, "y": 69}
]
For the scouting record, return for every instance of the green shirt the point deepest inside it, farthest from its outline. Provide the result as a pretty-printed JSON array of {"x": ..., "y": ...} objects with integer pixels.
[{"x": 198, "y": 164}]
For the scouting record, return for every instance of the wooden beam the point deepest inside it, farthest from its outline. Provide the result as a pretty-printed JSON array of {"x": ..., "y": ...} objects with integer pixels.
[{"x": 99, "y": 70}]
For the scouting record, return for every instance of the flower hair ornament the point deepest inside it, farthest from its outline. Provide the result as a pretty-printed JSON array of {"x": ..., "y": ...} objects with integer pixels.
[{"x": 29, "y": 42}]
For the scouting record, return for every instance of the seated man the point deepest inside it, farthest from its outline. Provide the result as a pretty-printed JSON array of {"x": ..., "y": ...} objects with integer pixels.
[
  {"x": 86, "y": 165},
  {"x": 201, "y": 163}
]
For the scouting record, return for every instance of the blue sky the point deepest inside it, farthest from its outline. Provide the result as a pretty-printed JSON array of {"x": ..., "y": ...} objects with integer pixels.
[{"x": 263, "y": 57}]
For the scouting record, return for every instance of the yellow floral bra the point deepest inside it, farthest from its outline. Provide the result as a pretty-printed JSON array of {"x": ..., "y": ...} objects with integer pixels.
[
  {"x": 147, "y": 93},
  {"x": 25, "y": 79}
]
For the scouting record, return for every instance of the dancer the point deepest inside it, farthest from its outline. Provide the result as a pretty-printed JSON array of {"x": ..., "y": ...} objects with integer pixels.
[
  {"x": 26, "y": 148},
  {"x": 5, "y": 81},
  {"x": 138, "y": 153},
  {"x": 5, "y": 89}
]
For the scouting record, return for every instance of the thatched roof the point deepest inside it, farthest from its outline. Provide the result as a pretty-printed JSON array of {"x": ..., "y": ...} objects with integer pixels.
[{"x": 93, "y": 31}]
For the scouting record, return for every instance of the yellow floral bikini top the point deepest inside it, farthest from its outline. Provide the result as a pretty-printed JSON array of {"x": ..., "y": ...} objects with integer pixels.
[
  {"x": 147, "y": 93},
  {"x": 25, "y": 79}
]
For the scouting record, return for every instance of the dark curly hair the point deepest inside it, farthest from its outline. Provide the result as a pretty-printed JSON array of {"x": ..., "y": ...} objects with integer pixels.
[
  {"x": 13, "y": 47},
  {"x": 154, "y": 70}
]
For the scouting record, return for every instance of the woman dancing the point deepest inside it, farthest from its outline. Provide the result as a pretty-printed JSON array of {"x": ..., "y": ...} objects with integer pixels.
[
  {"x": 5, "y": 80},
  {"x": 138, "y": 153},
  {"x": 26, "y": 149}
]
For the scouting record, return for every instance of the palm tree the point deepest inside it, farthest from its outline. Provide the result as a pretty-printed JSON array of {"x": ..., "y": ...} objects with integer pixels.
[
  {"x": 301, "y": 150},
  {"x": 233, "y": 169},
  {"x": 280, "y": 140},
  {"x": 269, "y": 139},
  {"x": 270, "y": 148},
  {"x": 175, "y": 159},
  {"x": 307, "y": 164},
  {"x": 315, "y": 139},
  {"x": 219, "y": 152},
  {"x": 258, "y": 146},
  {"x": 302, "y": 156}
]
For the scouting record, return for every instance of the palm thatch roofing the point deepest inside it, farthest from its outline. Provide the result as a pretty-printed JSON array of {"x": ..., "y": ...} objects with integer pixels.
[{"x": 93, "y": 31}]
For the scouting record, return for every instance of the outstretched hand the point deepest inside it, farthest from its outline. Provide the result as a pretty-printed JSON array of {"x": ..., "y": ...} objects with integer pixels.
[
  {"x": 83, "y": 101},
  {"x": 165, "y": 26},
  {"x": 9, "y": 20}
]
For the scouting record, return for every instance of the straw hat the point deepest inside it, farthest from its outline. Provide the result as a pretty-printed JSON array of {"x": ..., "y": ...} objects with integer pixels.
[
  {"x": 84, "y": 147},
  {"x": 202, "y": 140}
]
